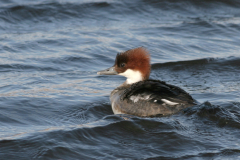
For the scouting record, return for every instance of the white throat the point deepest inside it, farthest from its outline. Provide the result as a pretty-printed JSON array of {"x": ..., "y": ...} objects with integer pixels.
[{"x": 132, "y": 76}]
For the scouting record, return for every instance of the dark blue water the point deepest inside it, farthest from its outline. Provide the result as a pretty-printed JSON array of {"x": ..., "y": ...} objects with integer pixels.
[{"x": 53, "y": 105}]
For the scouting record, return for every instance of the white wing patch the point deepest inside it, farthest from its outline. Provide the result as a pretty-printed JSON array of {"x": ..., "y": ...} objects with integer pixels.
[
  {"x": 147, "y": 97},
  {"x": 169, "y": 102},
  {"x": 137, "y": 98}
]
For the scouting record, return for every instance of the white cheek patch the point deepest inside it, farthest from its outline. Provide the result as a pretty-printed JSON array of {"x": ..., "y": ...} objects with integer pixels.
[
  {"x": 132, "y": 76},
  {"x": 169, "y": 102}
]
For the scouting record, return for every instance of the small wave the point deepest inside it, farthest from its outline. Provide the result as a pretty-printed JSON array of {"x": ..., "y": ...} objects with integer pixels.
[
  {"x": 47, "y": 11},
  {"x": 24, "y": 68},
  {"x": 55, "y": 11},
  {"x": 222, "y": 154},
  {"x": 214, "y": 62},
  {"x": 202, "y": 3},
  {"x": 48, "y": 64},
  {"x": 218, "y": 114},
  {"x": 208, "y": 75}
]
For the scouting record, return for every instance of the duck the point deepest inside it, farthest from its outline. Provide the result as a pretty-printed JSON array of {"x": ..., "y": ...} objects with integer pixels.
[{"x": 139, "y": 95}]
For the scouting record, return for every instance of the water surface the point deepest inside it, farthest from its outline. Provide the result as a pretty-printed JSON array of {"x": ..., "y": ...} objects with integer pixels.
[{"x": 53, "y": 105}]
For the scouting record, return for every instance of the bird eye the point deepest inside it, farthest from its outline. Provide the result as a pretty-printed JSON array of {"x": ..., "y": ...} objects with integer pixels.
[{"x": 122, "y": 65}]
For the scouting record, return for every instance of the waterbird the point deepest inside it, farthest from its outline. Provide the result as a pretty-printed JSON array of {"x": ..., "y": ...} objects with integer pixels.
[{"x": 139, "y": 95}]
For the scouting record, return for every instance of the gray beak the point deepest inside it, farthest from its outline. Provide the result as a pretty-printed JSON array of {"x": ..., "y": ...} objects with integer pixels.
[{"x": 109, "y": 71}]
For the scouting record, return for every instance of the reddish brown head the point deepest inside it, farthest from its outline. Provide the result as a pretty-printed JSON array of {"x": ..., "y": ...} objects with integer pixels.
[
  {"x": 133, "y": 64},
  {"x": 137, "y": 59}
]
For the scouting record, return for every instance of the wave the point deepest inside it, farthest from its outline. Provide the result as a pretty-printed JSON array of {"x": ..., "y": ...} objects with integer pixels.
[
  {"x": 47, "y": 12},
  {"x": 48, "y": 64},
  {"x": 57, "y": 11},
  {"x": 221, "y": 116},
  {"x": 24, "y": 67},
  {"x": 198, "y": 63},
  {"x": 128, "y": 134},
  {"x": 216, "y": 77}
]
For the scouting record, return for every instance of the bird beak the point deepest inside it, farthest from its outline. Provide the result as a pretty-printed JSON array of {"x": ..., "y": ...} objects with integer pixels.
[{"x": 109, "y": 71}]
